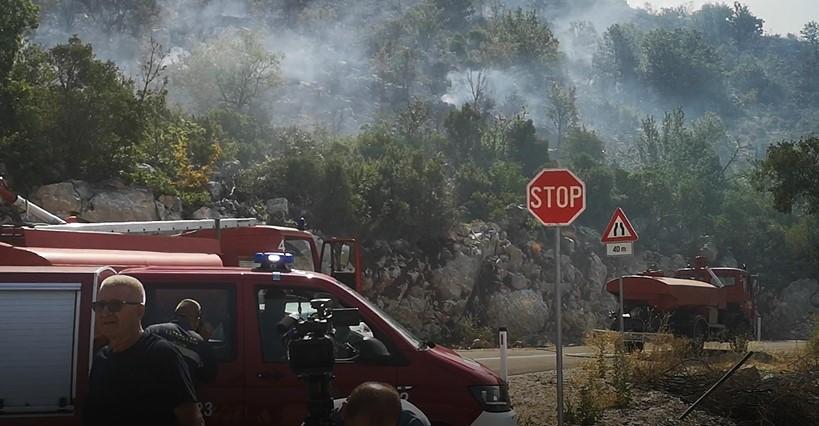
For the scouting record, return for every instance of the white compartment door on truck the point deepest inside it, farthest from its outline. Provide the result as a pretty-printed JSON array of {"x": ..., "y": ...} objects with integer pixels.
[{"x": 38, "y": 346}]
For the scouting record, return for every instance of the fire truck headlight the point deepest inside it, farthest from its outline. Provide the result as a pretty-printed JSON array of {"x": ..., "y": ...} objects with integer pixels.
[{"x": 494, "y": 399}]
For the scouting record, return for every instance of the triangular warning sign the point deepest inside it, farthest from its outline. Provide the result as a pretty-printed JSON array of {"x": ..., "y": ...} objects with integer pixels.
[{"x": 619, "y": 229}]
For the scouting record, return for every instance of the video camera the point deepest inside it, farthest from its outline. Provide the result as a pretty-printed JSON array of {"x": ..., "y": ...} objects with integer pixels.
[{"x": 311, "y": 353}]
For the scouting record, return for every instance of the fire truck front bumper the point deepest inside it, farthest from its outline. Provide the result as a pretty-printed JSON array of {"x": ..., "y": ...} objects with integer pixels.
[{"x": 486, "y": 418}]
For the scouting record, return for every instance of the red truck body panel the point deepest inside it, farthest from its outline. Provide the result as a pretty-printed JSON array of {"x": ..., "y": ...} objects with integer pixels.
[
  {"x": 665, "y": 293},
  {"x": 119, "y": 259},
  {"x": 88, "y": 278},
  {"x": 252, "y": 390},
  {"x": 690, "y": 288}
]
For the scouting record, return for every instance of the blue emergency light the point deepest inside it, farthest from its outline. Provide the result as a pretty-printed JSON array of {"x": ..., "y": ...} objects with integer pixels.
[{"x": 274, "y": 261}]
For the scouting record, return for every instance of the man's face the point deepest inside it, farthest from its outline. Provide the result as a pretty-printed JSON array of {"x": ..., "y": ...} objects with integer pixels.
[{"x": 114, "y": 325}]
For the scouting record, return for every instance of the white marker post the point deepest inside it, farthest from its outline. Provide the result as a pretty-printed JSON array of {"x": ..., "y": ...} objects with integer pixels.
[
  {"x": 504, "y": 345},
  {"x": 556, "y": 197}
]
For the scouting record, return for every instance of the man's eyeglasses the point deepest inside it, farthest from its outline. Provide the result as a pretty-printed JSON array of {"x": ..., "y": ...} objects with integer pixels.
[{"x": 113, "y": 305}]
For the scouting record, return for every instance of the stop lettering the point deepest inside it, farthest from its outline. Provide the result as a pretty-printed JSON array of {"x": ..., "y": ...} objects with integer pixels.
[{"x": 556, "y": 197}]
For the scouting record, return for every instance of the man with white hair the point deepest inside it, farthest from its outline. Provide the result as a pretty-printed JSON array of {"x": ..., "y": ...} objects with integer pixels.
[{"x": 138, "y": 378}]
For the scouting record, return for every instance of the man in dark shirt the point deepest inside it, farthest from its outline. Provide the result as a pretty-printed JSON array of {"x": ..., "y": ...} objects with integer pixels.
[
  {"x": 138, "y": 378},
  {"x": 193, "y": 346}
]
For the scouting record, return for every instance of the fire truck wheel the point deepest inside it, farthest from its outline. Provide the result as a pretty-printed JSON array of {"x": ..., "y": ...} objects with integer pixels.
[
  {"x": 634, "y": 346},
  {"x": 698, "y": 335}
]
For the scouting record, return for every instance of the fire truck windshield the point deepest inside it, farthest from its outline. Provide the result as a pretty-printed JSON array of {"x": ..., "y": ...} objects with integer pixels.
[{"x": 300, "y": 249}]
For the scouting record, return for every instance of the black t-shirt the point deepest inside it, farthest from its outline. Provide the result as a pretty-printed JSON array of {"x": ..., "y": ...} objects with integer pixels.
[
  {"x": 141, "y": 385},
  {"x": 193, "y": 347}
]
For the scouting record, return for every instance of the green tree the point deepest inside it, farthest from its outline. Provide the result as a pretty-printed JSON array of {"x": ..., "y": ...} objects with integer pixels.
[
  {"x": 520, "y": 38},
  {"x": 233, "y": 72},
  {"x": 485, "y": 193},
  {"x": 336, "y": 202},
  {"x": 713, "y": 21},
  {"x": 584, "y": 154},
  {"x": 745, "y": 27},
  {"x": 181, "y": 156},
  {"x": 464, "y": 128},
  {"x": 584, "y": 149},
  {"x": 525, "y": 148},
  {"x": 618, "y": 58},
  {"x": 562, "y": 111},
  {"x": 681, "y": 64},
  {"x": 809, "y": 86},
  {"x": 73, "y": 116},
  {"x": 403, "y": 193},
  {"x": 18, "y": 17},
  {"x": 789, "y": 173},
  {"x": 456, "y": 12},
  {"x": 679, "y": 171}
]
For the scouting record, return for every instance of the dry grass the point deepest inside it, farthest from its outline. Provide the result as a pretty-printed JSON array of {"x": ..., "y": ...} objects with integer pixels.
[{"x": 655, "y": 386}]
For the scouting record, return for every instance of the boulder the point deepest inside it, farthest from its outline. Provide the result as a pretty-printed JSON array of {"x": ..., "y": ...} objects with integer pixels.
[
  {"x": 523, "y": 312},
  {"x": 215, "y": 189},
  {"x": 480, "y": 344},
  {"x": 277, "y": 208},
  {"x": 121, "y": 205},
  {"x": 516, "y": 281},
  {"x": 169, "y": 207},
  {"x": 597, "y": 272},
  {"x": 206, "y": 213},
  {"x": 455, "y": 279},
  {"x": 61, "y": 199},
  {"x": 515, "y": 256}
]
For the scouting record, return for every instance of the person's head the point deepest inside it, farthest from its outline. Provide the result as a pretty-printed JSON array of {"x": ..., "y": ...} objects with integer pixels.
[
  {"x": 120, "y": 306},
  {"x": 372, "y": 404},
  {"x": 190, "y": 311}
]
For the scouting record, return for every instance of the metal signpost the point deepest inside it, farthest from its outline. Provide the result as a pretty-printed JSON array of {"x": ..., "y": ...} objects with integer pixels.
[
  {"x": 556, "y": 197},
  {"x": 619, "y": 238}
]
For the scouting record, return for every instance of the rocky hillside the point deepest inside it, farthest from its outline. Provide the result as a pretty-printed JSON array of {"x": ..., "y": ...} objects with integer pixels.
[{"x": 483, "y": 276}]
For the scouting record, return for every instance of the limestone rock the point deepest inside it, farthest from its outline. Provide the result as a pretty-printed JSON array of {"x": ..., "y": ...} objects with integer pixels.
[
  {"x": 169, "y": 207},
  {"x": 277, "y": 208},
  {"x": 523, "y": 312},
  {"x": 597, "y": 272},
  {"x": 61, "y": 199},
  {"x": 480, "y": 344},
  {"x": 455, "y": 279},
  {"x": 206, "y": 213},
  {"x": 215, "y": 189},
  {"x": 516, "y": 281},
  {"x": 121, "y": 205}
]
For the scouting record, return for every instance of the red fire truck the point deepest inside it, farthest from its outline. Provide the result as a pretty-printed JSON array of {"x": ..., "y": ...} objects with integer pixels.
[
  {"x": 218, "y": 242},
  {"x": 49, "y": 276},
  {"x": 47, "y": 340}
]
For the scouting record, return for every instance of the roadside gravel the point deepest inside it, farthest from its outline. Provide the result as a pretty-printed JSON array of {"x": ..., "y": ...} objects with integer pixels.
[{"x": 533, "y": 396}]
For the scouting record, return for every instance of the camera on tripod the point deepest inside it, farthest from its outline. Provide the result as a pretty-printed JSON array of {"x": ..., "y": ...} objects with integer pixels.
[
  {"x": 311, "y": 348},
  {"x": 311, "y": 352}
]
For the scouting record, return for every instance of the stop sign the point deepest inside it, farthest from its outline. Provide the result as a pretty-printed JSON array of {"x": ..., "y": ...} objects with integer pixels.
[{"x": 556, "y": 197}]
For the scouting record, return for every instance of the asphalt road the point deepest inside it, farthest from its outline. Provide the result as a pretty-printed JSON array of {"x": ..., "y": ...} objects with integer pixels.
[{"x": 530, "y": 360}]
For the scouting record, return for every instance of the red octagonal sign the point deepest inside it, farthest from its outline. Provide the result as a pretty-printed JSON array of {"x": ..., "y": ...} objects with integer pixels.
[{"x": 556, "y": 197}]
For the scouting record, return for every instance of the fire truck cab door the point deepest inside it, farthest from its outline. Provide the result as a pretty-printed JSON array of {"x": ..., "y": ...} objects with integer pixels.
[{"x": 341, "y": 259}]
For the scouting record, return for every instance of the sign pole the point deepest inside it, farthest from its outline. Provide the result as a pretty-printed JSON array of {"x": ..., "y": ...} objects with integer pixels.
[
  {"x": 622, "y": 327},
  {"x": 556, "y": 197},
  {"x": 619, "y": 237},
  {"x": 558, "y": 326}
]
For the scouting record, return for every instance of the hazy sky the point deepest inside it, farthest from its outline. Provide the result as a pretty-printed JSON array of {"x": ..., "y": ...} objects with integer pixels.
[{"x": 781, "y": 16}]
